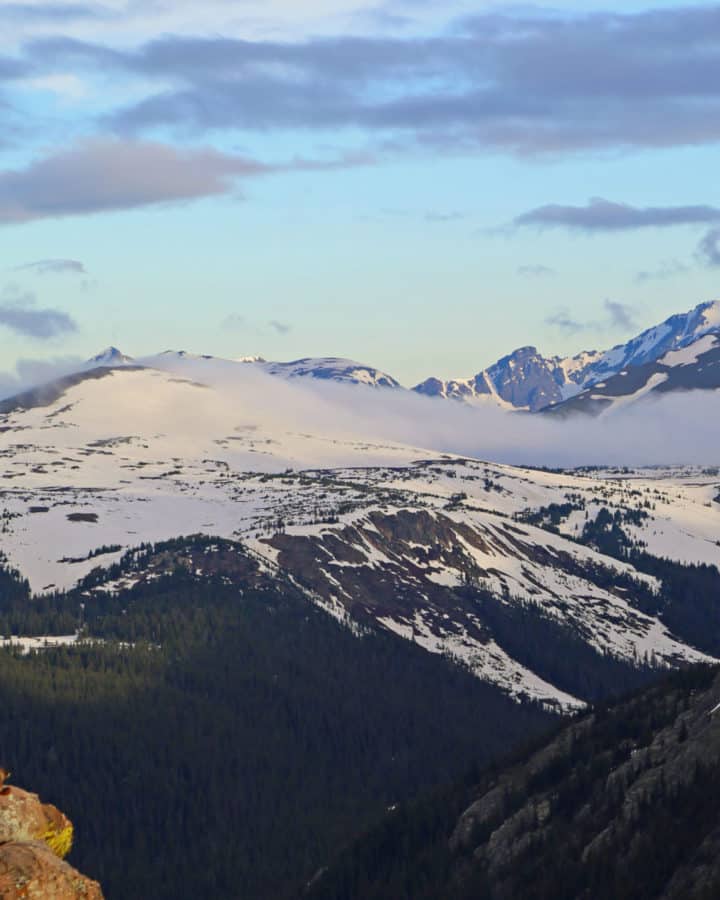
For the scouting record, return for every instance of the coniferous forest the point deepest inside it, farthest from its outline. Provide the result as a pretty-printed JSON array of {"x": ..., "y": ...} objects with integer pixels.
[
  {"x": 227, "y": 743},
  {"x": 621, "y": 804}
]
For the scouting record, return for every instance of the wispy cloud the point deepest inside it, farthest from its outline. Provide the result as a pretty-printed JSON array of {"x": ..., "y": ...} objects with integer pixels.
[
  {"x": 605, "y": 215},
  {"x": 280, "y": 327},
  {"x": 234, "y": 322},
  {"x": 239, "y": 322},
  {"x": 59, "y": 13},
  {"x": 563, "y": 320},
  {"x": 617, "y": 317},
  {"x": 666, "y": 269},
  {"x": 442, "y": 217},
  {"x": 20, "y": 313},
  {"x": 54, "y": 267},
  {"x": 620, "y": 315},
  {"x": 536, "y": 271},
  {"x": 709, "y": 248}
]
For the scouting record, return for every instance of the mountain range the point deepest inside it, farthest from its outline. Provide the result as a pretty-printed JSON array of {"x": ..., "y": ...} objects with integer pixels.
[
  {"x": 525, "y": 380},
  {"x": 460, "y": 556},
  {"x": 262, "y": 593}
]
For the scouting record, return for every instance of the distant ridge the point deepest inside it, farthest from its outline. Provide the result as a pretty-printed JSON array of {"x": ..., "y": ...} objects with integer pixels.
[
  {"x": 525, "y": 379},
  {"x": 522, "y": 380}
]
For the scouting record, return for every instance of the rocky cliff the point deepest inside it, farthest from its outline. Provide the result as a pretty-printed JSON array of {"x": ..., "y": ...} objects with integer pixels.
[{"x": 35, "y": 838}]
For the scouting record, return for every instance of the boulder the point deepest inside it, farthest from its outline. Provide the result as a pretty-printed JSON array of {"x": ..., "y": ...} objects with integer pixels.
[{"x": 35, "y": 837}]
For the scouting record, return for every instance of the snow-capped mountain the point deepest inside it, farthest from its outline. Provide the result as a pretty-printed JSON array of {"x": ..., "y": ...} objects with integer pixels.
[
  {"x": 527, "y": 380},
  {"x": 522, "y": 380},
  {"x": 330, "y": 369},
  {"x": 111, "y": 357},
  {"x": 694, "y": 367},
  {"x": 345, "y": 371}
]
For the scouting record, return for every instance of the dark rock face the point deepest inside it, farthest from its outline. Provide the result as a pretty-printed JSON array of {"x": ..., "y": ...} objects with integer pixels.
[
  {"x": 526, "y": 379},
  {"x": 432, "y": 387},
  {"x": 638, "y": 778},
  {"x": 479, "y": 386}
]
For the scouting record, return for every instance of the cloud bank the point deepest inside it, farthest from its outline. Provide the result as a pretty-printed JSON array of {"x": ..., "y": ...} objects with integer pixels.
[
  {"x": 676, "y": 429},
  {"x": 637, "y": 435},
  {"x": 526, "y": 82},
  {"x": 106, "y": 175},
  {"x": 112, "y": 174}
]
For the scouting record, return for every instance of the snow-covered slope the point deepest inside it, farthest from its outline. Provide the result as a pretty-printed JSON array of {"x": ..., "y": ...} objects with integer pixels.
[
  {"x": 375, "y": 531},
  {"x": 331, "y": 369},
  {"x": 527, "y": 380},
  {"x": 694, "y": 367},
  {"x": 344, "y": 371}
]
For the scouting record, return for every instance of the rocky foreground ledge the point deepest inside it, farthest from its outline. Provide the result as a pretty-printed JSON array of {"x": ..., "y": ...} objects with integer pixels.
[{"x": 35, "y": 838}]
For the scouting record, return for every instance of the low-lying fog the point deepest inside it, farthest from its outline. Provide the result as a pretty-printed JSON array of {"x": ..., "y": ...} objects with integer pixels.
[{"x": 680, "y": 428}]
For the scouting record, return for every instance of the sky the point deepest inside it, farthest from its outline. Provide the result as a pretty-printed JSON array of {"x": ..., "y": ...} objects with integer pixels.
[{"x": 422, "y": 186}]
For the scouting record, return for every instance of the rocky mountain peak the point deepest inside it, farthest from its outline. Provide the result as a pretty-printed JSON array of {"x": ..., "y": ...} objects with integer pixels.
[
  {"x": 110, "y": 356},
  {"x": 525, "y": 379}
]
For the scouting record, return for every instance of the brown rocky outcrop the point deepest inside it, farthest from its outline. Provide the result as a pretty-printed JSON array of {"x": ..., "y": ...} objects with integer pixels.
[{"x": 34, "y": 839}]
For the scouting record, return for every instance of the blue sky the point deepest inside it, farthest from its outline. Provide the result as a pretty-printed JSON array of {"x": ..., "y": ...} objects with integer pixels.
[{"x": 419, "y": 185}]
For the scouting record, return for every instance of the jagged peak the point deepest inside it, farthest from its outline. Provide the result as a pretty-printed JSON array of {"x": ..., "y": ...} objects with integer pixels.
[{"x": 526, "y": 378}]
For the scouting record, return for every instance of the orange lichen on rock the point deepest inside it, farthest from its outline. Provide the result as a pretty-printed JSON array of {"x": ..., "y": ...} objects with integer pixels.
[
  {"x": 34, "y": 839},
  {"x": 31, "y": 871}
]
